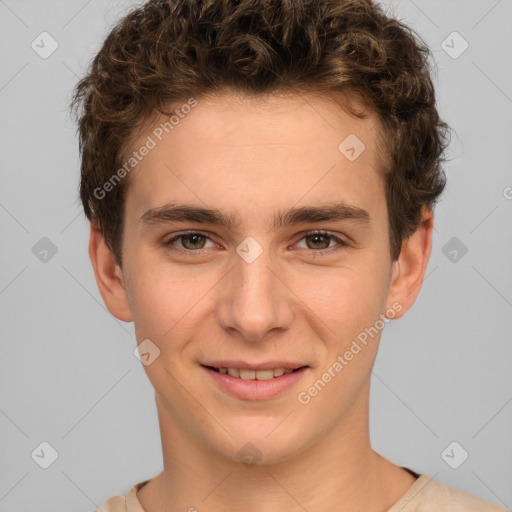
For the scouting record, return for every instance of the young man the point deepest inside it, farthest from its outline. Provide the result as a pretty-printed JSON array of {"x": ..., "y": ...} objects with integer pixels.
[{"x": 260, "y": 179}]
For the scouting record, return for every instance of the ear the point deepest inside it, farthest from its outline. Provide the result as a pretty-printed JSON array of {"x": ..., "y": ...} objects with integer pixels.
[
  {"x": 409, "y": 270},
  {"x": 109, "y": 277}
]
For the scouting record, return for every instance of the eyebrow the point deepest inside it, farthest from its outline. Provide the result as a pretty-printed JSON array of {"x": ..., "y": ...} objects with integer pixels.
[{"x": 332, "y": 212}]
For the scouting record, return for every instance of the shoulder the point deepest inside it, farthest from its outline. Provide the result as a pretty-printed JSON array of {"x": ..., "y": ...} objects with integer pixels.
[
  {"x": 430, "y": 495},
  {"x": 114, "y": 504},
  {"x": 127, "y": 503}
]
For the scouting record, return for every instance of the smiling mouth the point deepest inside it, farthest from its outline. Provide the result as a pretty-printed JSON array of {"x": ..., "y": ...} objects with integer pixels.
[{"x": 246, "y": 374}]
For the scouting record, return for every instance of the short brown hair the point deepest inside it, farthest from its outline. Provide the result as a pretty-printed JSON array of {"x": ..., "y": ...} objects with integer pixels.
[{"x": 166, "y": 51}]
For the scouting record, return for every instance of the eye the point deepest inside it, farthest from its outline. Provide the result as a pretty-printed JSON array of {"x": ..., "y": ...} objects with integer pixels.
[
  {"x": 191, "y": 241},
  {"x": 320, "y": 241}
]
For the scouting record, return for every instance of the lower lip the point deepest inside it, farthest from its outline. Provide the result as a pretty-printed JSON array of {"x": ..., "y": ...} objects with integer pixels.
[{"x": 256, "y": 389}]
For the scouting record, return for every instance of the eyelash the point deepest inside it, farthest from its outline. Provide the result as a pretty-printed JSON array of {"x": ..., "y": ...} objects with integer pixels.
[{"x": 321, "y": 252}]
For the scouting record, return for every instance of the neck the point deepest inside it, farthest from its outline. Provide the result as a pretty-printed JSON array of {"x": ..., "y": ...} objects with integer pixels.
[{"x": 339, "y": 472}]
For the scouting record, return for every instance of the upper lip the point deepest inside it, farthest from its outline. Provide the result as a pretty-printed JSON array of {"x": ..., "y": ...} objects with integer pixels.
[{"x": 267, "y": 365}]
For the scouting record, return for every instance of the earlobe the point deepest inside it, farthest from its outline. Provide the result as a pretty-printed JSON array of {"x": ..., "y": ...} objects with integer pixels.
[
  {"x": 409, "y": 270},
  {"x": 109, "y": 277}
]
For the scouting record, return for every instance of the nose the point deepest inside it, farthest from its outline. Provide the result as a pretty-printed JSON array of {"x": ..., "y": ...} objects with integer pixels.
[{"x": 255, "y": 300}]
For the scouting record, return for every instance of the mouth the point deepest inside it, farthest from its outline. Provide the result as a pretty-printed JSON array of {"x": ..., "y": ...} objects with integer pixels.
[
  {"x": 257, "y": 383},
  {"x": 248, "y": 374}
]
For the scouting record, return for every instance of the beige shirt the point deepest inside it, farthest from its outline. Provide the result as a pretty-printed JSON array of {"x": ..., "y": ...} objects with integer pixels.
[{"x": 425, "y": 495}]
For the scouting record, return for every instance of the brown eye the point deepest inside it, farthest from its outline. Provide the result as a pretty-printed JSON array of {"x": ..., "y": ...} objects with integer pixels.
[
  {"x": 321, "y": 241},
  {"x": 190, "y": 242},
  {"x": 318, "y": 241}
]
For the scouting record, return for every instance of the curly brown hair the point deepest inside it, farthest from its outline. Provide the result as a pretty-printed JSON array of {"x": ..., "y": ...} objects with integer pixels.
[{"x": 165, "y": 51}]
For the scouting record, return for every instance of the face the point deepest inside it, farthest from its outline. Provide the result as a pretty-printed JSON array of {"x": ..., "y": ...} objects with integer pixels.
[{"x": 254, "y": 245}]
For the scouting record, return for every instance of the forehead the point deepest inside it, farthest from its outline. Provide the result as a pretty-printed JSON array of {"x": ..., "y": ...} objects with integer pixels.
[{"x": 259, "y": 151}]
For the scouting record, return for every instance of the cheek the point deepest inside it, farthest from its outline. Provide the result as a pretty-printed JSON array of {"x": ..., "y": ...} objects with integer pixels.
[
  {"x": 163, "y": 300},
  {"x": 346, "y": 299}
]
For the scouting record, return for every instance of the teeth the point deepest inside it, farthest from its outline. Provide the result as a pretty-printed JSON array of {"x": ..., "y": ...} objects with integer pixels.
[
  {"x": 264, "y": 374},
  {"x": 245, "y": 374},
  {"x": 234, "y": 372}
]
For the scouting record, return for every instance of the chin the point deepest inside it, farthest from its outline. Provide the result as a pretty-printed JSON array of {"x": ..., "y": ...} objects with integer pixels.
[{"x": 261, "y": 441}]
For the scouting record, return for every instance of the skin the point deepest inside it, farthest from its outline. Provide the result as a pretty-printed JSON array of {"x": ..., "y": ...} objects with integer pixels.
[{"x": 254, "y": 156}]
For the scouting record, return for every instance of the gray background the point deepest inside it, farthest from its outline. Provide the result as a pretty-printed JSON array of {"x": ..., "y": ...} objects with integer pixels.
[{"x": 68, "y": 373}]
